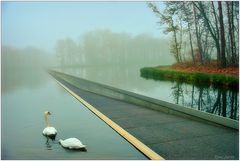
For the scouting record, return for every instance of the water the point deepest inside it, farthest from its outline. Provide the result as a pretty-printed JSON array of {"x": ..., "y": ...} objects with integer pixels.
[
  {"x": 223, "y": 102},
  {"x": 26, "y": 94}
]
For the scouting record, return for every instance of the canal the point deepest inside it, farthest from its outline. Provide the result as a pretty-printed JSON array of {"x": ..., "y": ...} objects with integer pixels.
[
  {"x": 207, "y": 99},
  {"x": 26, "y": 94}
]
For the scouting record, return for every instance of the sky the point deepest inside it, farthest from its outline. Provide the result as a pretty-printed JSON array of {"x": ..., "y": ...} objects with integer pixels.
[{"x": 41, "y": 24}]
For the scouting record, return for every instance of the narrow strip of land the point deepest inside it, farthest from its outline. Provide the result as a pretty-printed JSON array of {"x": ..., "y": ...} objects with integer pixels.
[{"x": 172, "y": 137}]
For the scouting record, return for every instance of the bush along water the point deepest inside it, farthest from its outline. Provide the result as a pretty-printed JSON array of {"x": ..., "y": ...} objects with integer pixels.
[{"x": 194, "y": 78}]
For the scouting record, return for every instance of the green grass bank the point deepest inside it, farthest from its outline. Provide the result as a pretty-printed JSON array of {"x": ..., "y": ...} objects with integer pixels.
[{"x": 164, "y": 73}]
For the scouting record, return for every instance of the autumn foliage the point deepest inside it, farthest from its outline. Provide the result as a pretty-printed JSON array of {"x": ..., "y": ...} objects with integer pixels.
[{"x": 205, "y": 68}]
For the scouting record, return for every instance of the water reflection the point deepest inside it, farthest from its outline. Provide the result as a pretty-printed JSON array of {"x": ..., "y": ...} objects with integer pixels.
[
  {"x": 223, "y": 102},
  {"x": 218, "y": 101},
  {"x": 48, "y": 145},
  {"x": 22, "y": 68},
  {"x": 27, "y": 91},
  {"x": 22, "y": 124},
  {"x": 13, "y": 79},
  {"x": 118, "y": 76}
]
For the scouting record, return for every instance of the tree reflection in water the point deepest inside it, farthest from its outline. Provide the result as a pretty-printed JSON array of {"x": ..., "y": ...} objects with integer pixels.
[
  {"x": 210, "y": 99},
  {"x": 219, "y": 101}
]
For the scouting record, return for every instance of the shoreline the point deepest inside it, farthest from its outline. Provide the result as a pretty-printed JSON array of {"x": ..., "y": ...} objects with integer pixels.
[{"x": 198, "y": 78}]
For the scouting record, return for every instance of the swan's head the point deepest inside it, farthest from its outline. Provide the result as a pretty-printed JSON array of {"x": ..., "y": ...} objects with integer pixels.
[{"x": 47, "y": 113}]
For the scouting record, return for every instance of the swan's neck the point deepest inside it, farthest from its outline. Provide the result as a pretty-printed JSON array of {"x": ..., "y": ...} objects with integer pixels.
[{"x": 46, "y": 120}]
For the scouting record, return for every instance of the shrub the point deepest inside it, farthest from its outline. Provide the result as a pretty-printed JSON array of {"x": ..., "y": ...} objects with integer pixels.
[{"x": 158, "y": 73}]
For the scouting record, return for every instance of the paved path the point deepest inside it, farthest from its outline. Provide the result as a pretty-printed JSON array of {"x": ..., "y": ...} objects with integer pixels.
[{"x": 172, "y": 137}]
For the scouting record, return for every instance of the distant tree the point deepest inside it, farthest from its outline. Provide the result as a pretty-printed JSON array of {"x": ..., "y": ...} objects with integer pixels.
[
  {"x": 168, "y": 18},
  {"x": 66, "y": 51},
  {"x": 60, "y": 52},
  {"x": 104, "y": 47}
]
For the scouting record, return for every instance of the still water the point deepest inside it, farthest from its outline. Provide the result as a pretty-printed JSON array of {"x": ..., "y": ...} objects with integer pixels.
[
  {"x": 223, "y": 102},
  {"x": 26, "y": 94}
]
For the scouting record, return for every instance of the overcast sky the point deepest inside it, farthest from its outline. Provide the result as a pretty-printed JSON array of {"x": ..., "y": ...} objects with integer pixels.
[{"x": 41, "y": 24}]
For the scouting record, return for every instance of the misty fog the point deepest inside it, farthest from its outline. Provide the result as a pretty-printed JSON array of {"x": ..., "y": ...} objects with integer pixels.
[
  {"x": 104, "y": 47},
  {"x": 18, "y": 64},
  {"x": 72, "y": 35},
  {"x": 99, "y": 47},
  {"x": 95, "y": 48}
]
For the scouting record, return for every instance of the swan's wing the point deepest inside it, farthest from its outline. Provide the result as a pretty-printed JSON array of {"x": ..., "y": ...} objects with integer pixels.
[
  {"x": 49, "y": 131},
  {"x": 73, "y": 143},
  {"x": 53, "y": 129}
]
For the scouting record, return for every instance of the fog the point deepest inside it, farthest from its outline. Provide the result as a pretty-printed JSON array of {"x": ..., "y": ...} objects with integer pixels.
[
  {"x": 39, "y": 36},
  {"x": 94, "y": 48},
  {"x": 99, "y": 47},
  {"x": 104, "y": 47},
  {"x": 29, "y": 57},
  {"x": 23, "y": 67}
]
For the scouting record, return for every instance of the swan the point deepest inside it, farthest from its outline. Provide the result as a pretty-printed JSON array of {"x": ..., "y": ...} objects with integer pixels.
[
  {"x": 49, "y": 131},
  {"x": 72, "y": 143}
]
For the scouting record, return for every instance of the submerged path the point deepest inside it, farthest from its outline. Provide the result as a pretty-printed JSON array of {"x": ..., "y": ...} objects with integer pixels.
[{"x": 171, "y": 136}]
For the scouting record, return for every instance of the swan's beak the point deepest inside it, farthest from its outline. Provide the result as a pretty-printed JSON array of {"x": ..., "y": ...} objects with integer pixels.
[{"x": 49, "y": 113}]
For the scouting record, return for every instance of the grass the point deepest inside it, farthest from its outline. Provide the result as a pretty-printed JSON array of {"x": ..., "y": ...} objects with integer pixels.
[{"x": 196, "y": 78}]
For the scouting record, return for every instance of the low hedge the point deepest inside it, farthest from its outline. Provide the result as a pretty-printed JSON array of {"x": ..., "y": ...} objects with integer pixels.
[{"x": 198, "y": 78}]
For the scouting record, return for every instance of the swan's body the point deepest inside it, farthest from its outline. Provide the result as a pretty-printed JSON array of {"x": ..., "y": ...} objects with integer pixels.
[
  {"x": 72, "y": 143},
  {"x": 49, "y": 131}
]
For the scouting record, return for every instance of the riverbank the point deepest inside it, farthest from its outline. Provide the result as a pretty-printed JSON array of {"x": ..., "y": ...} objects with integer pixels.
[{"x": 201, "y": 75}]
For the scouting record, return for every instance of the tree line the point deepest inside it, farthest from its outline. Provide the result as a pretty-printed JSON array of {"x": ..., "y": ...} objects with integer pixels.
[
  {"x": 201, "y": 31},
  {"x": 104, "y": 47}
]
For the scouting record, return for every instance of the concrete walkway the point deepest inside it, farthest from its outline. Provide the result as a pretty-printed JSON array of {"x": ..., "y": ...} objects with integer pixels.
[{"x": 172, "y": 137}]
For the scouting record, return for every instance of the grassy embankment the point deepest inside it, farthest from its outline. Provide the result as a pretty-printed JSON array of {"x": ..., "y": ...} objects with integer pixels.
[{"x": 199, "y": 78}]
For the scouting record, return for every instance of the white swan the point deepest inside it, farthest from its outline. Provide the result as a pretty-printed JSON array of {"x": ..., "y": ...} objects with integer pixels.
[
  {"x": 72, "y": 143},
  {"x": 49, "y": 131}
]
